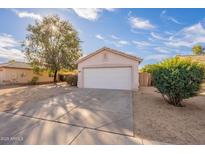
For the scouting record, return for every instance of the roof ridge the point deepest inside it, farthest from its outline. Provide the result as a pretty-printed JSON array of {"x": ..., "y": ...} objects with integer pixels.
[
  {"x": 122, "y": 53},
  {"x": 16, "y": 64}
]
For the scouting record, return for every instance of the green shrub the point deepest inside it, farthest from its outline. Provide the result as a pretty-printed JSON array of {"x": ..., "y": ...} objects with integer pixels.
[
  {"x": 178, "y": 79},
  {"x": 34, "y": 80},
  {"x": 149, "y": 68},
  {"x": 72, "y": 80}
]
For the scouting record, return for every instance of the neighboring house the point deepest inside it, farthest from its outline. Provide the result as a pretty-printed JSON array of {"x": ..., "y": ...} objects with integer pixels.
[
  {"x": 109, "y": 69},
  {"x": 197, "y": 58},
  {"x": 20, "y": 73}
]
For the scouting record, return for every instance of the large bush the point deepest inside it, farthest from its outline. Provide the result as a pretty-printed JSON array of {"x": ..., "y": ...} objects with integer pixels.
[
  {"x": 178, "y": 79},
  {"x": 34, "y": 80},
  {"x": 148, "y": 68}
]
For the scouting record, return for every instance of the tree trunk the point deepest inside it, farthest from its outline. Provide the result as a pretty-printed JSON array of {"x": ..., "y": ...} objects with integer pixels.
[
  {"x": 55, "y": 76},
  {"x": 173, "y": 101}
]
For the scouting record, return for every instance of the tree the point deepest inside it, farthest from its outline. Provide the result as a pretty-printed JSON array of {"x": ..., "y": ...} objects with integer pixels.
[
  {"x": 53, "y": 44},
  {"x": 178, "y": 79},
  {"x": 198, "y": 50}
]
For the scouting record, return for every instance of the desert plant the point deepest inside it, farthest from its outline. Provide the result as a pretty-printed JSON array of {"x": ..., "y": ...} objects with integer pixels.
[
  {"x": 34, "y": 80},
  {"x": 72, "y": 80},
  {"x": 178, "y": 79}
]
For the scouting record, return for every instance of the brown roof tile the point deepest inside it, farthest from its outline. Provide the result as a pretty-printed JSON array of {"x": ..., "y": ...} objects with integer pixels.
[{"x": 16, "y": 64}]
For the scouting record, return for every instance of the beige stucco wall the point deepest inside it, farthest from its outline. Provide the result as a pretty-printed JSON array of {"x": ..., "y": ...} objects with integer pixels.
[
  {"x": 13, "y": 75},
  {"x": 112, "y": 60},
  {"x": 2, "y": 72}
]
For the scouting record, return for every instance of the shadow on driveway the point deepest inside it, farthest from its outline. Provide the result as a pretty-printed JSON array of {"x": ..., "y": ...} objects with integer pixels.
[{"x": 59, "y": 114}]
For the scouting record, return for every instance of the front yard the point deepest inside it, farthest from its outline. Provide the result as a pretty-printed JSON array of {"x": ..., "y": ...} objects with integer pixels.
[
  {"x": 156, "y": 120},
  {"x": 102, "y": 111}
]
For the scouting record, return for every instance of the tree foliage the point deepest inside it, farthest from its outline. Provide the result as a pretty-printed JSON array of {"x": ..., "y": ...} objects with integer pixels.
[
  {"x": 178, "y": 79},
  {"x": 198, "y": 50},
  {"x": 149, "y": 68},
  {"x": 52, "y": 43}
]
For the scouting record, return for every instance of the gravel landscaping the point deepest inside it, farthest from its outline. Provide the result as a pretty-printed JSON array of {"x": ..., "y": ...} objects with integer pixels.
[{"x": 154, "y": 119}]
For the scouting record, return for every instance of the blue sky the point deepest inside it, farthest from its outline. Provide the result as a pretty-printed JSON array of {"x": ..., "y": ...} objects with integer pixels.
[{"x": 152, "y": 34}]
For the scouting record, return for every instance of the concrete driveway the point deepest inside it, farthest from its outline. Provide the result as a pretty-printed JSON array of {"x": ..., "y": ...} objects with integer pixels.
[{"x": 80, "y": 116}]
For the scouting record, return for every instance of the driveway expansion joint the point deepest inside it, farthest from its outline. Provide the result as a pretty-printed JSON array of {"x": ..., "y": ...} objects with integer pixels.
[
  {"x": 67, "y": 112},
  {"x": 41, "y": 119},
  {"x": 76, "y": 136}
]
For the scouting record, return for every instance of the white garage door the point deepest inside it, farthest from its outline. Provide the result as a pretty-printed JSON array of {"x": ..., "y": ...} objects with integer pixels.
[{"x": 108, "y": 78}]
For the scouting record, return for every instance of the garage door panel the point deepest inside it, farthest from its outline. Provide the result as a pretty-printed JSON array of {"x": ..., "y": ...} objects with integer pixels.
[{"x": 108, "y": 78}]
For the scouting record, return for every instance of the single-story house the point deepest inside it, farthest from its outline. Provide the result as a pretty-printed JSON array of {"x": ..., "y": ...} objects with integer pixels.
[
  {"x": 20, "y": 73},
  {"x": 197, "y": 58},
  {"x": 107, "y": 68}
]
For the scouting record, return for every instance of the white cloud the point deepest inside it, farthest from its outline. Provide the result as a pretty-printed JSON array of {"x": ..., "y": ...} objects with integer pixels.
[
  {"x": 91, "y": 14},
  {"x": 123, "y": 42},
  {"x": 163, "y": 12},
  {"x": 188, "y": 36},
  {"x": 174, "y": 20},
  {"x": 179, "y": 43},
  {"x": 196, "y": 29},
  {"x": 119, "y": 43},
  {"x": 98, "y": 36},
  {"x": 7, "y": 41},
  {"x": 114, "y": 37},
  {"x": 110, "y": 9},
  {"x": 185, "y": 38},
  {"x": 9, "y": 48},
  {"x": 25, "y": 14},
  {"x": 157, "y": 57},
  {"x": 157, "y": 36},
  {"x": 11, "y": 54},
  {"x": 168, "y": 33},
  {"x": 141, "y": 44},
  {"x": 164, "y": 16},
  {"x": 140, "y": 23},
  {"x": 162, "y": 50}
]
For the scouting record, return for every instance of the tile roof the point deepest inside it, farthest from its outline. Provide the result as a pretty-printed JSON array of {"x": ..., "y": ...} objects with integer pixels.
[
  {"x": 111, "y": 50},
  {"x": 199, "y": 58},
  {"x": 16, "y": 64}
]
